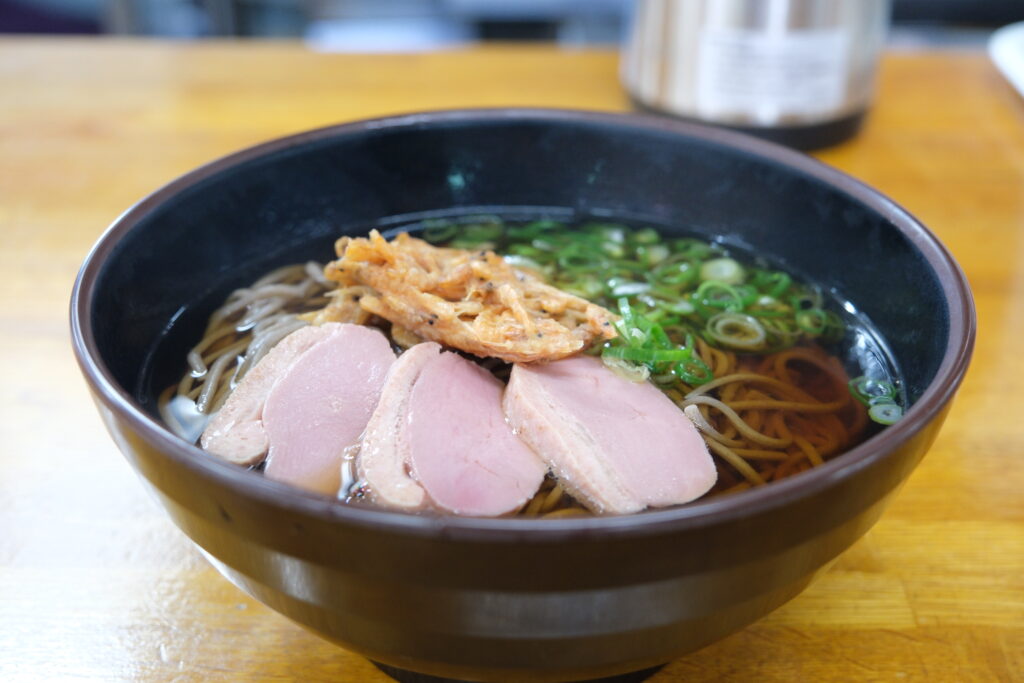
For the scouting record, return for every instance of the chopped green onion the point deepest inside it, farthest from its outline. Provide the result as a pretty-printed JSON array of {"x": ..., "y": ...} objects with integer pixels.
[
  {"x": 643, "y": 355},
  {"x": 625, "y": 369},
  {"x": 531, "y": 230},
  {"x": 681, "y": 306},
  {"x": 544, "y": 243},
  {"x": 812, "y": 321},
  {"x": 718, "y": 294},
  {"x": 737, "y": 331},
  {"x": 772, "y": 282},
  {"x": 880, "y": 398},
  {"x": 642, "y": 340},
  {"x": 609, "y": 231},
  {"x": 625, "y": 310},
  {"x": 693, "y": 371},
  {"x": 525, "y": 262},
  {"x": 647, "y": 236},
  {"x": 865, "y": 389},
  {"x": 885, "y": 413},
  {"x": 747, "y": 295},
  {"x": 613, "y": 249},
  {"x": 676, "y": 274},
  {"x": 654, "y": 254},
  {"x": 780, "y": 333},
  {"x": 585, "y": 287},
  {"x": 575, "y": 260},
  {"x": 692, "y": 248},
  {"x": 528, "y": 251},
  {"x": 725, "y": 270},
  {"x": 629, "y": 288}
]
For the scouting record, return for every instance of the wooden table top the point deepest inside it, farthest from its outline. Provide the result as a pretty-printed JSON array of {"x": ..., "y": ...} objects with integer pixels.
[{"x": 95, "y": 581}]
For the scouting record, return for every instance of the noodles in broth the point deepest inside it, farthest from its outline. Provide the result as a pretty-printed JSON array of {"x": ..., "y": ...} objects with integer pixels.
[{"x": 764, "y": 416}]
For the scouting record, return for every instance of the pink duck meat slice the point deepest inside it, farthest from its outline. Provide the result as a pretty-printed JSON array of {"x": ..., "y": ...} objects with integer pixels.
[
  {"x": 463, "y": 452},
  {"x": 235, "y": 432},
  {"x": 384, "y": 453},
  {"x": 438, "y": 438},
  {"x": 321, "y": 405},
  {"x": 617, "y": 446}
]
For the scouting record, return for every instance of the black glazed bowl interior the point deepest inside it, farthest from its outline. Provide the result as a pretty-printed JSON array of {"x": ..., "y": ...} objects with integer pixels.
[{"x": 494, "y": 599}]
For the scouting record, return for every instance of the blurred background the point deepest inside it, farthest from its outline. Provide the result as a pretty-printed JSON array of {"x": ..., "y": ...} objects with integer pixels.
[{"x": 414, "y": 25}]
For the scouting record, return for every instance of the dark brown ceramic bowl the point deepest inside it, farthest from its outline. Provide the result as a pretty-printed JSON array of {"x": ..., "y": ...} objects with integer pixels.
[{"x": 494, "y": 599}]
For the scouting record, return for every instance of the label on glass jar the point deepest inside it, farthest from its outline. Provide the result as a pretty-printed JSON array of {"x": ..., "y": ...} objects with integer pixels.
[{"x": 765, "y": 76}]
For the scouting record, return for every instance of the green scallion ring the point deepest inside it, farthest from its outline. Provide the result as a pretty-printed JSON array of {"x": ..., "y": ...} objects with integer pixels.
[
  {"x": 693, "y": 372},
  {"x": 885, "y": 413},
  {"x": 865, "y": 389},
  {"x": 623, "y": 368},
  {"x": 779, "y": 283},
  {"x": 737, "y": 331},
  {"x": 519, "y": 261},
  {"x": 725, "y": 270},
  {"x": 680, "y": 306},
  {"x": 646, "y": 236},
  {"x": 629, "y": 288},
  {"x": 812, "y": 321},
  {"x": 691, "y": 248},
  {"x": 654, "y": 254},
  {"x": 613, "y": 249},
  {"x": 718, "y": 294},
  {"x": 586, "y": 287},
  {"x": 608, "y": 231},
  {"x": 748, "y": 295},
  {"x": 530, "y": 252},
  {"x": 676, "y": 274}
]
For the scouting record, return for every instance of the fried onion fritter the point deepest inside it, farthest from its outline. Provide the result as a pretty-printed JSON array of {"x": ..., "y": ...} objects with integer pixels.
[
  {"x": 469, "y": 300},
  {"x": 343, "y": 308}
]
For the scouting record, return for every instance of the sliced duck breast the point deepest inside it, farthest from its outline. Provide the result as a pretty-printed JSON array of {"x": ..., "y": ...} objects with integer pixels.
[
  {"x": 384, "y": 452},
  {"x": 320, "y": 407},
  {"x": 464, "y": 453},
  {"x": 439, "y": 437},
  {"x": 235, "y": 432},
  {"x": 617, "y": 446}
]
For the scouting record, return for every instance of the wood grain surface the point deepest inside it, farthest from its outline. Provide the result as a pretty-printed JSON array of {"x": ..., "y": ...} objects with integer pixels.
[{"x": 97, "y": 584}]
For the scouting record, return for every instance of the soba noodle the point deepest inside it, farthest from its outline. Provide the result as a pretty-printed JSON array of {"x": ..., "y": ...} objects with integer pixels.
[{"x": 239, "y": 333}]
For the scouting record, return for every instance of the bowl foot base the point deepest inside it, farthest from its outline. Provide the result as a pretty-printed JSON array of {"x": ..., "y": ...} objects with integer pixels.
[{"x": 405, "y": 676}]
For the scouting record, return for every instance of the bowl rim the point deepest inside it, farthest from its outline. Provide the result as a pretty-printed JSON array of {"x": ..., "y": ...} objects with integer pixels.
[{"x": 936, "y": 396}]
